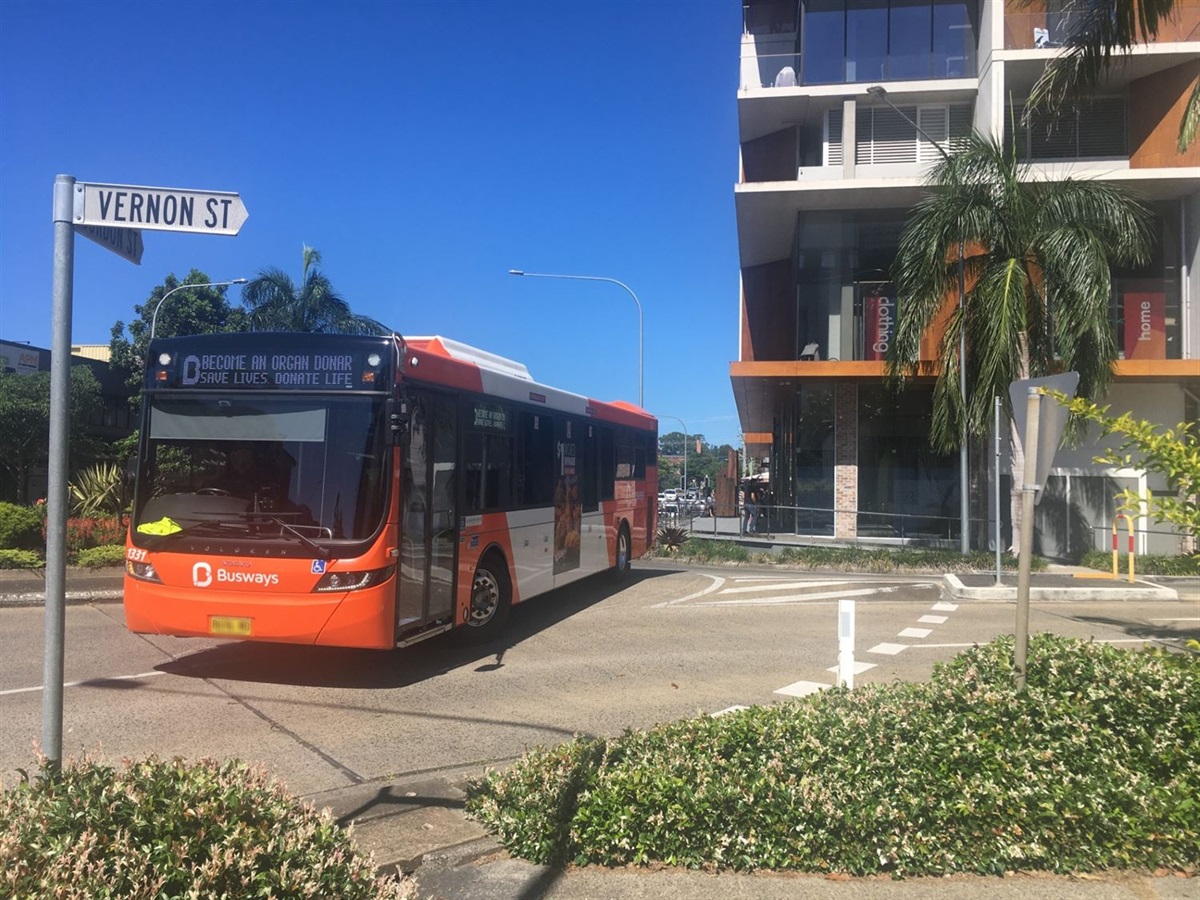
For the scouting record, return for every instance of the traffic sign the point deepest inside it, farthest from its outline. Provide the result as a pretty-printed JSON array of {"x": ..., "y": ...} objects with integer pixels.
[
  {"x": 159, "y": 209},
  {"x": 1052, "y": 419},
  {"x": 126, "y": 242}
]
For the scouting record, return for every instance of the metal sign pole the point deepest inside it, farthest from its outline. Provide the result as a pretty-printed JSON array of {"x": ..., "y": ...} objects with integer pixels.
[
  {"x": 56, "y": 494},
  {"x": 996, "y": 486},
  {"x": 1029, "y": 489}
]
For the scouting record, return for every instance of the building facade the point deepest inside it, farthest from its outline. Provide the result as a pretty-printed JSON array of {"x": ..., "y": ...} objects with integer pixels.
[{"x": 828, "y": 173}]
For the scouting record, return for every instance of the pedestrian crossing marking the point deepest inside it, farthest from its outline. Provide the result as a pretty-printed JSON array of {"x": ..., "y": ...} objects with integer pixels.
[
  {"x": 728, "y": 709},
  {"x": 859, "y": 667},
  {"x": 887, "y": 649},
  {"x": 945, "y": 607},
  {"x": 915, "y": 633},
  {"x": 933, "y": 620},
  {"x": 802, "y": 688}
]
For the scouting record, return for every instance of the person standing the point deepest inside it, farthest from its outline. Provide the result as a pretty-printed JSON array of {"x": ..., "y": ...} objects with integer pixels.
[{"x": 751, "y": 512}]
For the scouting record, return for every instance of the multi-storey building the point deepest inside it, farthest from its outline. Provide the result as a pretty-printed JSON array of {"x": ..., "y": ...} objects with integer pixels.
[{"x": 827, "y": 175}]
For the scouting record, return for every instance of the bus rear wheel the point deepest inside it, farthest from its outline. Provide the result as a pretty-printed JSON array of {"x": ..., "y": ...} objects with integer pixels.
[
  {"x": 491, "y": 602},
  {"x": 624, "y": 553}
]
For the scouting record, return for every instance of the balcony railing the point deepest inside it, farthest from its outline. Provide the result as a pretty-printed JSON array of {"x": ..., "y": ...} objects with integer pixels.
[
  {"x": 784, "y": 70},
  {"x": 1049, "y": 30}
]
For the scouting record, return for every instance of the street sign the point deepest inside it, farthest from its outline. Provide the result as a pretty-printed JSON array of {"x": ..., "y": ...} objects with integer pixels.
[
  {"x": 126, "y": 242},
  {"x": 1052, "y": 419},
  {"x": 159, "y": 209}
]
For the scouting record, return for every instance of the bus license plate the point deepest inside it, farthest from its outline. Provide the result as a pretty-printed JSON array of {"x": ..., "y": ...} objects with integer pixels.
[{"x": 231, "y": 625}]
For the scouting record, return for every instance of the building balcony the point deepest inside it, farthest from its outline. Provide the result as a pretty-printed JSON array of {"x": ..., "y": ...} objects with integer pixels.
[{"x": 1029, "y": 28}]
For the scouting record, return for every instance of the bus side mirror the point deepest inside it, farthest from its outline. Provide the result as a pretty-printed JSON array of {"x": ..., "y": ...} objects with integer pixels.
[{"x": 399, "y": 416}]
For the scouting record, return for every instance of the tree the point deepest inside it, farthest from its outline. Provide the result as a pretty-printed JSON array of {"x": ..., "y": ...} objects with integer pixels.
[
  {"x": 274, "y": 303},
  {"x": 1037, "y": 284},
  {"x": 1100, "y": 32},
  {"x": 1171, "y": 453},
  {"x": 198, "y": 310},
  {"x": 25, "y": 421}
]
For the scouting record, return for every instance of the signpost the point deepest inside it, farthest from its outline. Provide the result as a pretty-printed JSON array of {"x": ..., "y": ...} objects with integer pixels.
[
  {"x": 159, "y": 209},
  {"x": 1040, "y": 426},
  {"x": 126, "y": 242},
  {"x": 112, "y": 215}
]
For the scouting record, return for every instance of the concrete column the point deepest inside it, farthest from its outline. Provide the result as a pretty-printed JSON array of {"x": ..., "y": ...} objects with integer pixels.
[{"x": 849, "y": 139}]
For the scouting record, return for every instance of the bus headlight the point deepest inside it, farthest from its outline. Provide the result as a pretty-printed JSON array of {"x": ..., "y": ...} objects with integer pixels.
[
  {"x": 142, "y": 571},
  {"x": 353, "y": 581}
]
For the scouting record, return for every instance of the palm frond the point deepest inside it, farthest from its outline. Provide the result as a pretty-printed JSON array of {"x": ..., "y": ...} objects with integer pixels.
[
  {"x": 1190, "y": 122},
  {"x": 1099, "y": 32}
]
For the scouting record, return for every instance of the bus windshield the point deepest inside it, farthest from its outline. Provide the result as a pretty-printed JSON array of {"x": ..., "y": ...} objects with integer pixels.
[{"x": 262, "y": 468}]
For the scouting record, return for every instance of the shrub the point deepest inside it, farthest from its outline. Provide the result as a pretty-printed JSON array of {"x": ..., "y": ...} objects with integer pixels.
[
  {"x": 849, "y": 559},
  {"x": 1096, "y": 765},
  {"x": 1143, "y": 565},
  {"x": 98, "y": 490},
  {"x": 671, "y": 538},
  {"x": 20, "y": 559},
  {"x": 20, "y": 527},
  {"x": 85, "y": 533},
  {"x": 101, "y": 557},
  {"x": 175, "y": 829}
]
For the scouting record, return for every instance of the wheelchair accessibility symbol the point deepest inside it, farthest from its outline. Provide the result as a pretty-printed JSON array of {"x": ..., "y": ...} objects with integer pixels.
[{"x": 318, "y": 567}]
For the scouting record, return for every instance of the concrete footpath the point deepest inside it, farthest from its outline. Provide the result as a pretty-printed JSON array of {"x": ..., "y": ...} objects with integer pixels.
[{"x": 417, "y": 825}]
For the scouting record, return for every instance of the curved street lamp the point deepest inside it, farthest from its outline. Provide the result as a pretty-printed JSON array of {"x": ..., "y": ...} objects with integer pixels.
[
  {"x": 610, "y": 281},
  {"x": 154, "y": 318},
  {"x": 879, "y": 92}
]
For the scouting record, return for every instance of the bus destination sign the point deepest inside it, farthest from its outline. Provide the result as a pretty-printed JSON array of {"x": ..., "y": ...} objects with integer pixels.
[{"x": 292, "y": 370}]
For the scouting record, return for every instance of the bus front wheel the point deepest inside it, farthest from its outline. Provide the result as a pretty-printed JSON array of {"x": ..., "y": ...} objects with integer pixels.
[{"x": 491, "y": 601}]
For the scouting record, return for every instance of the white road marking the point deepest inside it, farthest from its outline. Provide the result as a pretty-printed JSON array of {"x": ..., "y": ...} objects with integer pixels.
[
  {"x": 933, "y": 620},
  {"x": 915, "y": 633},
  {"x": 85, "y": 682},
  {"x": 797, "y": 598},
  {"x": 783, "y": 586},
  {"x": 802, "y": 688},
  {"x": 945, "y": 607},
  {"x": 888, "y": 649},
  {"x": 1175, "y": 620},
  {"x": 859, "y": 667},
  {"x": 728, "y": 709},
  {"x": 718, "y": 583}
]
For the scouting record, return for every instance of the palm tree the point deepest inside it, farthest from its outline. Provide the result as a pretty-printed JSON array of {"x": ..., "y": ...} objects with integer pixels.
[
  {"x": 1101, "y": 32},
  {"x": 1037, "y": 283},
  {"x": 275, "y": 304}
]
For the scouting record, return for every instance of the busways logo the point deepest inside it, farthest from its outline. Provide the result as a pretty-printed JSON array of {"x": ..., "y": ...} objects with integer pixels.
[{"x": 203, "y": 576}]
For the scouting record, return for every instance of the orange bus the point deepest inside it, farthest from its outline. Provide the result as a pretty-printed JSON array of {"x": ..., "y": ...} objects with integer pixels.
[{"x": 360, "y": 491}]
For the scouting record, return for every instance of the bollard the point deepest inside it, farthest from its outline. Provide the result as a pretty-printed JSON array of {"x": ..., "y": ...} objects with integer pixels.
[
  {"x": 846, "y": 643},
  {"x": 1129, "y": 526}
]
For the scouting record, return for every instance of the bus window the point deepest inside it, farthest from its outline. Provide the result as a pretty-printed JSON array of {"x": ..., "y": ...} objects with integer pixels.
[
  {"x": 608, "y": 463},
  {"x": 535, "y": 478}
]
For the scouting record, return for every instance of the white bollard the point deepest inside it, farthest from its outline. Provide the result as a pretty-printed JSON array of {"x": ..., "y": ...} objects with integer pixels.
[{"x": 846, "y": 643}]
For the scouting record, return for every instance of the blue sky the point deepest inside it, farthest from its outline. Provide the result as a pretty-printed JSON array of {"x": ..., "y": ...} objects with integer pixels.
[{"x": 425, "y": 148}]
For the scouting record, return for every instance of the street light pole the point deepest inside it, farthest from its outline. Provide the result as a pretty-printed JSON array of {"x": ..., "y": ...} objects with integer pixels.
[
  {"x": 154, "y": 318},
  {"x": 641, "y": 356},
  {"x": 880, "y": 93}
]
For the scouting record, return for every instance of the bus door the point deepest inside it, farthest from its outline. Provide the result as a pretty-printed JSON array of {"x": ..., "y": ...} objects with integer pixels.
[{"x": 429, "y": 511}]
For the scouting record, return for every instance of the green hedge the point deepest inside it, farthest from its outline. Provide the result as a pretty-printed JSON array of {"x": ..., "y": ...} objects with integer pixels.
[
  {"x": 104, "y": 557},
  {"x": 843, "y": 559},
  {"x": 20, "y": 559},
  {"x": 20, "y": 527},
  {"x": 1143, "y": 565},
  {"x": 175, "y": 829},
  {"x": 1096, "y": 765}
]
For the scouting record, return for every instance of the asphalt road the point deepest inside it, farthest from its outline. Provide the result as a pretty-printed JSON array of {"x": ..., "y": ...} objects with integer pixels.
[{"x": 594, "y": 658}]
